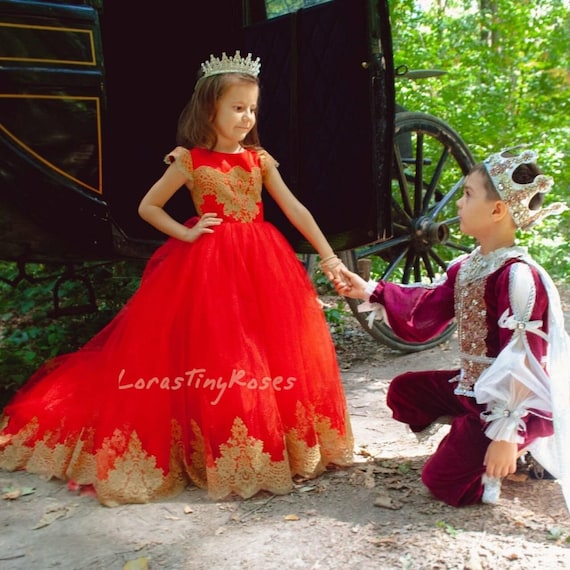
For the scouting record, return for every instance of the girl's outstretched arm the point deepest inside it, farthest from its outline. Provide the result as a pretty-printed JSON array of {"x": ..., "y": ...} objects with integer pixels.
[{"x": 303, "y": 220}]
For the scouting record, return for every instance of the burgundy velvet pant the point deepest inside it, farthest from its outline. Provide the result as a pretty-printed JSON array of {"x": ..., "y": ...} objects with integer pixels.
[{"x": 453, "y": 473}]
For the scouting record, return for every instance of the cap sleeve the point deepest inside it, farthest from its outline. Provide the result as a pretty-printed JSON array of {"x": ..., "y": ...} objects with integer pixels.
[
  {"x": 267, "y": 162},
  {"x": 182, "y": 158}
]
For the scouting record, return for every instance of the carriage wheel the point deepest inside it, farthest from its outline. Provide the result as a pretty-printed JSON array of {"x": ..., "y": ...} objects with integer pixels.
[{"x": 430, "y": 160}]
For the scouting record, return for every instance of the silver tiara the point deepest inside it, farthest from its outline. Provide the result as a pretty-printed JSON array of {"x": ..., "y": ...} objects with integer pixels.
[
  {"x": 500, "y": 167},
  {"x": 232, "y": 64}
]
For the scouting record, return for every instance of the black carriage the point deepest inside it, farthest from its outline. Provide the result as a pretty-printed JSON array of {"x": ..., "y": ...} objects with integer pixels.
[{"x": 90, "y": 95}]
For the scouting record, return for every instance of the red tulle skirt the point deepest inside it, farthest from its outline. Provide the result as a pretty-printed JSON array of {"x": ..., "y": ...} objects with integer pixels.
[{"x": 219, "y": 371}]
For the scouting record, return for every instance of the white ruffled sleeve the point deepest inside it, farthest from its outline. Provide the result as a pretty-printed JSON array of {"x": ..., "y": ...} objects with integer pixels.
[
  {"x": 377, "y": 310},
  {"x": 516, "y": 381},
  {"x": 550, "y": 390},
  {"x": 553, "y": 452}
]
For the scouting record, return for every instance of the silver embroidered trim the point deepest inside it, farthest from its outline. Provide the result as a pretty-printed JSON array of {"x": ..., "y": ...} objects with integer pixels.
[{"x": 478, "y": 266}]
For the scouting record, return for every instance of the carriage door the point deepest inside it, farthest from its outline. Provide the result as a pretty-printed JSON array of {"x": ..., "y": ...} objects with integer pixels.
[{"x": 327, "y": 111}]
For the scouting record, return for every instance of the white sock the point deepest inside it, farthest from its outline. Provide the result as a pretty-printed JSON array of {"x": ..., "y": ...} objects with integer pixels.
[{"x": 491, "y": 490}]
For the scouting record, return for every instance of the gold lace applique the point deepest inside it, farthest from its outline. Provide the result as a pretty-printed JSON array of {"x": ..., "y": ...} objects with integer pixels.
[
  {"x": 244, "y": 468},
  {"x": 45, "y": 456},
  {"x": 14, "y": 453},
  {"x": 82, "y": 466},
  {"x": 237, "y": 191},
  {"x": 305, "y": 460},
  {"x": 330, "y": 446},
  {"x": 133, "y": 475},
  {"x": 123, "y": 472},
  {"x": 335, "y": 447}
]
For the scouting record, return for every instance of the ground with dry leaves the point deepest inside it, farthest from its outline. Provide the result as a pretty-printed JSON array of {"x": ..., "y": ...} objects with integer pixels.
[{"x": 374, "y": 515}]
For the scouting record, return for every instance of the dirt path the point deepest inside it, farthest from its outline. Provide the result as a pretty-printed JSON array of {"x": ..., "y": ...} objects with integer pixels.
[{"x": 375, "y": 515}]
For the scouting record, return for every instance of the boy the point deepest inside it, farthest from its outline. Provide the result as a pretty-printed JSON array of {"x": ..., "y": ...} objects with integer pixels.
[{"x": 511, "y": 393}]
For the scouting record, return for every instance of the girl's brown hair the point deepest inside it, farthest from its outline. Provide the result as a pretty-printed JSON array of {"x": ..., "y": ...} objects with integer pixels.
[{"x": 195, "y": 127}]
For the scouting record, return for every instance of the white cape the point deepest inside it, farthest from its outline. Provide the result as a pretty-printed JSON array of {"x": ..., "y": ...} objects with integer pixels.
[{"x": 551, "y": 390}]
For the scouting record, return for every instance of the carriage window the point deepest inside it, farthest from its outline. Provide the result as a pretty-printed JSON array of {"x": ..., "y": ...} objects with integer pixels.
[{"x": 276, "y": 8}]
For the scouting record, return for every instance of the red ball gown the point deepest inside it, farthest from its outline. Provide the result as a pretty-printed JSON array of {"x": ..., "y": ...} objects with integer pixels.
[{"x": 219, "y": 371}]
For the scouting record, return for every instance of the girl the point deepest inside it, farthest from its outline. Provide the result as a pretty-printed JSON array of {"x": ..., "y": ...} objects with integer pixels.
[
  {"x": 220, "y": 370},
  {"x": 512, "y": 391}
]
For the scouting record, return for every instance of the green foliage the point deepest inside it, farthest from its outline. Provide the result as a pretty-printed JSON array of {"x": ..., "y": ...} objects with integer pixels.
[
  {"x": 336, "y": 315},
  {"x": 506, "y": 83},
  {"x": 449, "y": 529},
  {"x": 276, "y": 8},
  {"x": 29, "y": 332}
]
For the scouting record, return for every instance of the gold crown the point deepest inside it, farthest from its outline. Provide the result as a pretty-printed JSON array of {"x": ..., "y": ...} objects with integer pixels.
[
  {"x": 500, "y": 167},
  {"x": 232, "y": 64}
]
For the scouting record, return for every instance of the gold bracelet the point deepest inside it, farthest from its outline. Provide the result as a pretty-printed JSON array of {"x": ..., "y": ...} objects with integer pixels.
[
  {"x": 324, "y": 260},
  {"x": 329, "y": 265}
]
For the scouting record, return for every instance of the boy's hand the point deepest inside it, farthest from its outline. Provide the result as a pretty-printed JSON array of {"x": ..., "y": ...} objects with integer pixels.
[
  {"x": 350, "y": 284},
  {"x": 501, "y": 458}
]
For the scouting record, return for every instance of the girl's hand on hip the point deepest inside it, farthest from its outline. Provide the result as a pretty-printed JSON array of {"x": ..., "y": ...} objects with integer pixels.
[{"x": 204, "y": 225}]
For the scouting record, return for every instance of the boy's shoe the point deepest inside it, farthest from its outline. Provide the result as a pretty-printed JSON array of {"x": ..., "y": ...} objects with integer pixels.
[{"x": 527, "y": 463}]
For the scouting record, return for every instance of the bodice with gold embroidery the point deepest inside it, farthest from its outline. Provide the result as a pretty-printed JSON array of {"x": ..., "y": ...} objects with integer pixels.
[{"x": 228, "y": 185}]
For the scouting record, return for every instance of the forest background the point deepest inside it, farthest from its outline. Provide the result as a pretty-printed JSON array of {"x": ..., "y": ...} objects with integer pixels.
[{"x": 506, "y": 82}]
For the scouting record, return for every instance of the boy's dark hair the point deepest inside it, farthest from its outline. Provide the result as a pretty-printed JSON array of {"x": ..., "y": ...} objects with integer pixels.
[{"x": 523, "y": 174}]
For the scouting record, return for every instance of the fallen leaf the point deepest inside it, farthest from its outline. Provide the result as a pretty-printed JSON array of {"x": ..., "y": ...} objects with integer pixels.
[
  {"x": 385, "y": 502},
  {"x": 137, "y": 564},
  {"x": 11, "y": 494},
  {"x": 51, "y": 515},
  {"x": 291, "y": 518},
  {"x": 369, "y": 482},
  {"x": 383, "y": 540}
]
